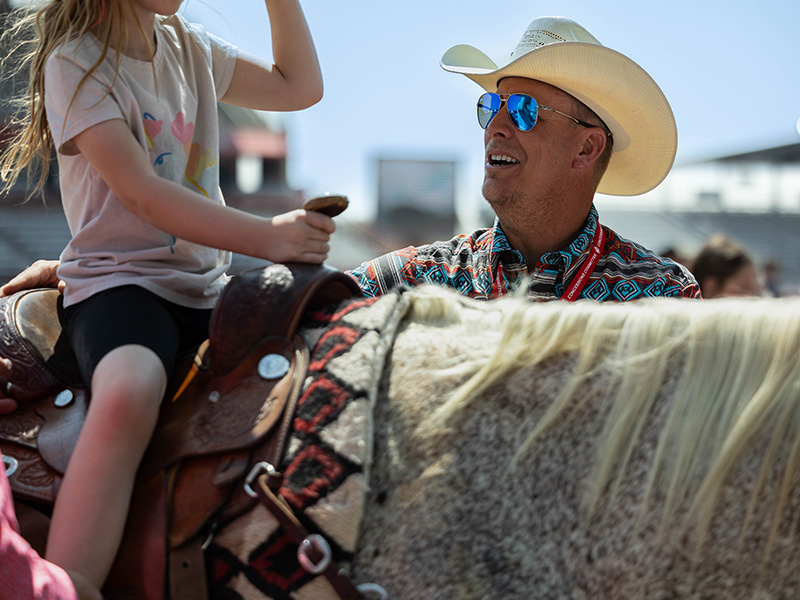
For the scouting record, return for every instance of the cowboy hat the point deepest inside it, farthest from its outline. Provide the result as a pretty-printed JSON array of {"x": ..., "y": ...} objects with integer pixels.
[{"x": 560, "y": 52}]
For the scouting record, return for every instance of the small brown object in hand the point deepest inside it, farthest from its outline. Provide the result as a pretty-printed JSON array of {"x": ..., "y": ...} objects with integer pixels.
[{"x": 327, "y": 204}]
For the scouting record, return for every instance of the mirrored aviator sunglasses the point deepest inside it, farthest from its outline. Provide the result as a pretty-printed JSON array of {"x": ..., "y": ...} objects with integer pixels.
[{"x": 522, "y": 108}]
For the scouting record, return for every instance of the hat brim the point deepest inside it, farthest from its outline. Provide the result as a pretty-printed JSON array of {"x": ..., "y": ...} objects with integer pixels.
[{"x": 621, "y": 93}]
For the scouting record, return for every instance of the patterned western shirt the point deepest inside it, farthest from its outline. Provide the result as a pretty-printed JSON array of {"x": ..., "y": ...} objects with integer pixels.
[{"x": 483, "y": 265}]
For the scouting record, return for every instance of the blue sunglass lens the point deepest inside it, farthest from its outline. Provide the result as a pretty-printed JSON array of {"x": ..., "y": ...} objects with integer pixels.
[
  {"x": 488, "y": 106},
  {"x": 523, "y": 110}
]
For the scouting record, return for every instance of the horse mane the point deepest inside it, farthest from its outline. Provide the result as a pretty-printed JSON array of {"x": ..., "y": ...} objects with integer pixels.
[{"x": 731, "y": 365}]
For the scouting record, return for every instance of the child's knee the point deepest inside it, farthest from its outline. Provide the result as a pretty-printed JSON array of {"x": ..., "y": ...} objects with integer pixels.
[{"x": 127, "y": 387}]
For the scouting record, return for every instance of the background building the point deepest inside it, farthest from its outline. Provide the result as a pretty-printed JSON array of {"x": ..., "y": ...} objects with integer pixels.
[
  {"x": 754, "y": 197},
  {"x": 416, "y": 199}
]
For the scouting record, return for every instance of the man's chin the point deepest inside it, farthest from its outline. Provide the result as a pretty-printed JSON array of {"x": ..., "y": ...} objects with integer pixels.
[{"x": 495, "y": 197}]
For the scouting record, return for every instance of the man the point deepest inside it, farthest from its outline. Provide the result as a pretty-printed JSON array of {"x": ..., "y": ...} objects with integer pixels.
[{"x": 566, "y": 118}]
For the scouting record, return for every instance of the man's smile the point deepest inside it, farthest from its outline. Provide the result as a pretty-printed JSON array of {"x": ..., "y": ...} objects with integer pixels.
[{"x": 499, "y": 160}]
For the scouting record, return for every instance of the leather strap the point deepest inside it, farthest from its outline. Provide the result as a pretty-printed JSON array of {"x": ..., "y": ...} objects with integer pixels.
[
  {"x": 303, "y": 356},
  {"x": 187, "y": 574},
  {"x": 300, "y": 535}
]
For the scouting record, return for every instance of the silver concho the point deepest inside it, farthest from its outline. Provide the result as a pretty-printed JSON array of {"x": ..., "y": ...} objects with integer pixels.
[
  {"x": 273, "y": 366},
  {"x": 63, "y": 399}
]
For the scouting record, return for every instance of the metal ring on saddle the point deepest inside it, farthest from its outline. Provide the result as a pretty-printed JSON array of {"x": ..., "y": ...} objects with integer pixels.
[
  {"x": 319, "y": 546},
  {"x": 11, "y": 463},
  {"x": 372, "y": 590},
  {"x": 255, "y": 473}
]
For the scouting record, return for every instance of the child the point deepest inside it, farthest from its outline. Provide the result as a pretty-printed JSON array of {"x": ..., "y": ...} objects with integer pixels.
[{"x": 126, "y": 91}]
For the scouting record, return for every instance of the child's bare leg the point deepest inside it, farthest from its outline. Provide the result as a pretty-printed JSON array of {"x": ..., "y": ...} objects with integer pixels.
[{"x": 92, "y": 505}]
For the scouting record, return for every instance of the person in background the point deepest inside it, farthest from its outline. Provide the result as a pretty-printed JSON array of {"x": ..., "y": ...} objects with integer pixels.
[
  {"x": 674, "y": 254},
  {"x": 772, "y": 277},
  {"x": 724, "y": 268}
]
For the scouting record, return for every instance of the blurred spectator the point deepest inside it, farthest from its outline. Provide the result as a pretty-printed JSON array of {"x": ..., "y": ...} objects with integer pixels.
[
  {"x": 724, "y": 268},
  {"x": 676, "y": 255},
  {"x": 772, "y": 278}
]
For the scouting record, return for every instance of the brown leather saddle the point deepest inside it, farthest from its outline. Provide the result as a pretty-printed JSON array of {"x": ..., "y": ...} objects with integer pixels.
[{"x": 229, "y": 408}]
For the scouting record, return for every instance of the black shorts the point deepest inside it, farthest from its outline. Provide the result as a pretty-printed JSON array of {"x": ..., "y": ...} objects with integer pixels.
[{"x": 131, "y": 314}]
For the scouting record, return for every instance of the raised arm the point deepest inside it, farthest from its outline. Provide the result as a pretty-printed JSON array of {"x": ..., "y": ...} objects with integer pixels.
[{"x": 294, "y": 81}]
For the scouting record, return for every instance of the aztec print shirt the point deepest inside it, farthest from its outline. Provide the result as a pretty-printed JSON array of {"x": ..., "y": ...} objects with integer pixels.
[{"x": 483, "y": 265}]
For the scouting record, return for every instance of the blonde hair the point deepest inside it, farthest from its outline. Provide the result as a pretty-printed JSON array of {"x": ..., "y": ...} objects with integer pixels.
[
  {"x": 725, "y": 375},
  {"x": 32, "y": 38}
]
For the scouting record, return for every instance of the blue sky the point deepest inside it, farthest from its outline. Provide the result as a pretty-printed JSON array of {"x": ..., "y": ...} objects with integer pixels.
[{"x": 729, "y": 69}]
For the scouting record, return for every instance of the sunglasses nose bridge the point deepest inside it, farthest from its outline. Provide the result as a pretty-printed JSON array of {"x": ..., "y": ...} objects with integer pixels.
[
  {"x": 499, "y": 109},
  {"x": 504, "y": 116}
]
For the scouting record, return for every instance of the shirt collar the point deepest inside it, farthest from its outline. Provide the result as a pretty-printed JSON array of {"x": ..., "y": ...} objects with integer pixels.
[
  {"x": 501, "y": 250},
  {"x": 566, "y": 257},
  {"x": 573, "y": 254}
]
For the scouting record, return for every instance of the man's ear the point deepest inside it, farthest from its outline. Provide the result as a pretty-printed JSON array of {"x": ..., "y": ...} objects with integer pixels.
[{"x": 594, "y": 142}]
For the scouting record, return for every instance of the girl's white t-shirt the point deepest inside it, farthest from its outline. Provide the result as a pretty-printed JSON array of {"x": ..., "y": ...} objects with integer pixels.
[{"x": 173, "y": 115}]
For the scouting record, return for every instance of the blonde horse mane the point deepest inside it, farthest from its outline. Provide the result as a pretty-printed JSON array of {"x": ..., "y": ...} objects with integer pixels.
[{"x": 732, "y": 366}]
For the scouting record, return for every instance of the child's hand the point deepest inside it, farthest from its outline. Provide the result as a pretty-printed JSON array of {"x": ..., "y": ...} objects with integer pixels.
[{"x": 299, "y": 236}]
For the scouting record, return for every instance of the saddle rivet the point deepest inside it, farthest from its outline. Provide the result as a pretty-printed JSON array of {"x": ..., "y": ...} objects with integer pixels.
[
  {"x": 63, "y": 399},
  {"x": 213, "y": 396},
  {"x": 273, "y": 366}
]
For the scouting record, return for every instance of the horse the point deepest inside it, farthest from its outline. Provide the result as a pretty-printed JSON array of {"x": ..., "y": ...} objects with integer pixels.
[{"x": 443, "y": 447}]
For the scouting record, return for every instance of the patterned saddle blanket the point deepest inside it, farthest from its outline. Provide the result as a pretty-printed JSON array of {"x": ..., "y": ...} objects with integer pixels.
[{"x": 327, "y": 463}]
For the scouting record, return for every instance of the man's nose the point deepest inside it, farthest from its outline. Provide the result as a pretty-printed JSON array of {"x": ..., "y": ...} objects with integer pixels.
[{"x": 500, "y": 124}]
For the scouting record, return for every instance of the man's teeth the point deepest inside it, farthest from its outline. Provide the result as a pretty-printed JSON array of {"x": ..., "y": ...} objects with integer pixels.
[{"x": 502, "y": 158}]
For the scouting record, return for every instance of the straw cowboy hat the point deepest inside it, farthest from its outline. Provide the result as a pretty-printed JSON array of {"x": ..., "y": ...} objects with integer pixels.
[{"x": 560, "y": 52}]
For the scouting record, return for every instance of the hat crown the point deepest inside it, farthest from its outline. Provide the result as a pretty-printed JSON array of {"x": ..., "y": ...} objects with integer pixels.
[{"x": 552, "y": 30}]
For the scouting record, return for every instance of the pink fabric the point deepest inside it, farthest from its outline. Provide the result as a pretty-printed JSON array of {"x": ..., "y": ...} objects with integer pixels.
[{"x": 24, "y": 575}]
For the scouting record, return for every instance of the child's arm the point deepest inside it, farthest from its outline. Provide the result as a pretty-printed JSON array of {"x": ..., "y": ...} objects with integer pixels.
[
  {"x": 294, "y": 82},
  {"x": 113, "y": 151}
]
